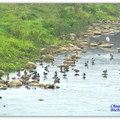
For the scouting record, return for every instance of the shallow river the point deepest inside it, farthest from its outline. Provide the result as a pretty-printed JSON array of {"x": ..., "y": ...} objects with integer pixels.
[{"x": 92, "y": 96}]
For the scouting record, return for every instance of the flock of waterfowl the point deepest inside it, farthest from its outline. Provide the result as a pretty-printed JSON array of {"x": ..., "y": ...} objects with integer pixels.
[{"x": 31, "y": 77}]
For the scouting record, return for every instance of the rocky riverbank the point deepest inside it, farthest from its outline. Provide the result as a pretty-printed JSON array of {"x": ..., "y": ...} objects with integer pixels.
[{"x": 79, "y": 45}]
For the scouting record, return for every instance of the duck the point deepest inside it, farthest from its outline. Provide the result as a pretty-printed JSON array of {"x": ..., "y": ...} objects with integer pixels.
[
  {"x": 86, "y": 64},
  {"x": 93, "y": 61},
  {"x": 14, "y": 78},
  {"x": 64, "y": 74},
  {"x": 76, "y": 71},
  {"x": 27, "y": 87},
  {"x": 105, "y": 73},
  {"x": 111, "y": 56},
  {"x": 46, "y": 68},
  {"x": 57, "y": 80},
  {"x": 84, "y": 75},
  {"x": 44, "y": 73}
]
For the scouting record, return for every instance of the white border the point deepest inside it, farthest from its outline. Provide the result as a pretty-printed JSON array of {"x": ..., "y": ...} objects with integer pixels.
[
  {"x": 56, "y": 118},
  {"x": 59, "y": 1}
]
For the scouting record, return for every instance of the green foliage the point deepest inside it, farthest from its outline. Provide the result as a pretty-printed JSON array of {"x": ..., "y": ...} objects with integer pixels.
[
  {"x": 1, "y": 73},
  {"x": 14, "y": 53},
  {"x": 25, "y": 28}
]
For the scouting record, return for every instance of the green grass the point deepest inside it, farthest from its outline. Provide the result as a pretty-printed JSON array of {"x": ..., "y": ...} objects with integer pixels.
[{"x": 25, "y": 28}]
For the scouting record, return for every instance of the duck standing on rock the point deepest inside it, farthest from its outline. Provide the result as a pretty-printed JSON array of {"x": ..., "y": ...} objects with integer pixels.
[
  {"x": 36, "y": 76},
  {"x": 25, "y": 76}
]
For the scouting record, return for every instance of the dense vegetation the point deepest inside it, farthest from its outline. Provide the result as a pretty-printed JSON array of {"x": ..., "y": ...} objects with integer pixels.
[{"x": 25, "y": 28}]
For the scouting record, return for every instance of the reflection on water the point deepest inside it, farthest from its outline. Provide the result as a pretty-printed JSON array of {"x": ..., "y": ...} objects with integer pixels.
[{"x": 92, "y": 96}]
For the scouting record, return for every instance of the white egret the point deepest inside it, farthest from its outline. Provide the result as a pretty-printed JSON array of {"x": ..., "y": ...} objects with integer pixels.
[{"x": 107, "y": 39}]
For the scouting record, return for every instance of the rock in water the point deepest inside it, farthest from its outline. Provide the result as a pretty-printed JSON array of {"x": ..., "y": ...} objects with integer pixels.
[
  {"x": 3, "y": 85},
  {"x": 47, "y": 58},
  {"x": 41, "y": 99},
  {"x": 32, "y": 65},
  {"x": 34, "y": 84},
  {"x": 15, "y": 83}
]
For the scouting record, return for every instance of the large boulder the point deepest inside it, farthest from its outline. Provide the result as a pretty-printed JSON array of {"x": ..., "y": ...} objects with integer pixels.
[
  {"x": 69, "y": 62},
  {"x": 41, "y": 85},
  {"x": 83, "y": 43},
  {"x": 106, "y": 45},
  {"x": 44, "y": 51},
  {"x": 69, "y": 45},
  {"x": 63, "y": 65},
  {"x": 34, "y": 84},
  {"x": 93, "y": 44},
  {"x": 47, "y": 58},
  {"x": 72, "y": 36},
  {"x": 32, "y": 65},
  {"x": 3, "y": 85},
  {"x": 62, "y": 49},
  {"x": 56, "y": 86},
  {"x": 3, "y": 81},
  {"x": 15, "y": 83},
  {"x": 97, "y": 32},
  {"x": 54, "y": 49},
  {"x": 75, "y": 48},
  {"x": 75, "y": 56}
]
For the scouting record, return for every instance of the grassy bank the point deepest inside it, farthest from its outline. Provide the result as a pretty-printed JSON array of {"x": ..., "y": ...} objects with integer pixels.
[{"x": 25, "y": 28}]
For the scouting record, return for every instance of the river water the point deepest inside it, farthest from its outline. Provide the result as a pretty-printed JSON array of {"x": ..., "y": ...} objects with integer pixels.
[{"x": 92, "y": 96}]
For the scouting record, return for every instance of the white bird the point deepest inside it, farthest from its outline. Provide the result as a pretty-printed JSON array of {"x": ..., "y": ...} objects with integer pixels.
[{"x": 107, "y": 39}]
